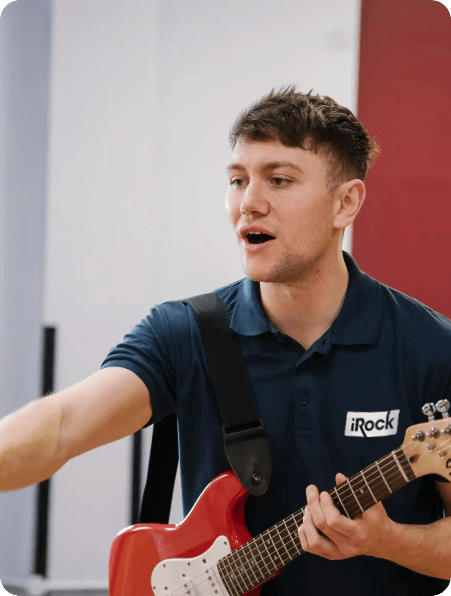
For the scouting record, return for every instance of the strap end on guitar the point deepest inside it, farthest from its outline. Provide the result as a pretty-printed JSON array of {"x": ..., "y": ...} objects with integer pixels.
[{"x": 248, "y": 452}]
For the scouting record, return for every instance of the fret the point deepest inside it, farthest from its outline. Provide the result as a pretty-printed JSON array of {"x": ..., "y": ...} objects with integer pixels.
[
  {"x": 291, "y": 535},
  {"x": 252, "y": 561},
  {"x": 402, "y": 458},
  {"x": 268, "y": 541},
  {"x": 267, "y": 573},
  {"x": 347, "y": 498},
  {"x": 361, "y": 493},
  {"x": 276, "y": 555},
  {"x": 356, "y": 499},
  {"x": 234, "y": 572},
  {"x": 215, "y": 570},
  {"x": 276, "y": 527},
  {"x": 383, "y": 477},
  {"x": 228, "y": 582},
  {"x": 265, "y": 559},
  {"x": 369, "y": 488},
  {"x": 392, "y": 472},
  {"x": 342, "y": 508},
  {"x": 247, "y": 581},
  {"x": 236, "y": 576}
]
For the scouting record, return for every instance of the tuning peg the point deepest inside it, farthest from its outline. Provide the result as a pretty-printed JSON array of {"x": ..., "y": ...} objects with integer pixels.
[
  {"x": 443, "y": 407},
  {"x": 429, "y": 410}
]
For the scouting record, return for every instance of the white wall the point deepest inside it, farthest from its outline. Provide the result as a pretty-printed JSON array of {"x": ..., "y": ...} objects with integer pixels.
[
  {"x": 143, "y": 94},
  {"x": 103, "y": 245}
]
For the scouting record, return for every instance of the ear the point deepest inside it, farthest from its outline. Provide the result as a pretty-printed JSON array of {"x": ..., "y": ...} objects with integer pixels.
[{"x": 350, "y": 197}]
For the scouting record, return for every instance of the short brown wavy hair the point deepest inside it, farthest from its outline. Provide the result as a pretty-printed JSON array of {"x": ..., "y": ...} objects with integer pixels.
[{"x": 311, "y": 122}]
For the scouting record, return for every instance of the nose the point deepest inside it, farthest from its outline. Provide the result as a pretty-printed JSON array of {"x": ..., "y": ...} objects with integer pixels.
[{"x": 253, "y": 198}]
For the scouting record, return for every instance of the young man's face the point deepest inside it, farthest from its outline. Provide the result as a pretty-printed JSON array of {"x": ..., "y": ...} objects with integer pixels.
[{"x": 290, "y": 204}]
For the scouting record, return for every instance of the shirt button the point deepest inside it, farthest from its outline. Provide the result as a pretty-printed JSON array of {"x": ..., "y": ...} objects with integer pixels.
[{"x": 304, "y": 400}]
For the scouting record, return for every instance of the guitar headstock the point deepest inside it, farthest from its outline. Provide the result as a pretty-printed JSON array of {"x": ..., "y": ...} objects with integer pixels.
[{"x": 428, "y": 446}]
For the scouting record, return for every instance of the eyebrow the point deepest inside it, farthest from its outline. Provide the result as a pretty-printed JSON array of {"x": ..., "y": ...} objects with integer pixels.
[{"x": 269, "y": 166}]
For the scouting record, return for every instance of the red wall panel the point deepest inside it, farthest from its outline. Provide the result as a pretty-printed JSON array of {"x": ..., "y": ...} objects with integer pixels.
[{"x": 402, "y": 235}]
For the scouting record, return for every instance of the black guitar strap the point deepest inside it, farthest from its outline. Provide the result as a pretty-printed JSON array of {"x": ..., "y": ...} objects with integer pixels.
[{"x": 246, "y": 442}]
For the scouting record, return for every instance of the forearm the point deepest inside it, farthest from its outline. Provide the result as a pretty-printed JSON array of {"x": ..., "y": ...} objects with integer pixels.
[
  {"x": 30, "y": 445},
  {"x": 425, "y": 549}
]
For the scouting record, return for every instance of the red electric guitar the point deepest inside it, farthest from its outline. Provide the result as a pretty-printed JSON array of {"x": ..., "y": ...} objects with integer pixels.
[{"x": 212, "y": 552}]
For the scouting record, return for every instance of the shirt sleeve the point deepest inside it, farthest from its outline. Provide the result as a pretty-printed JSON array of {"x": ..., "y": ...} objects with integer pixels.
[{"x": 146, "y": 352}]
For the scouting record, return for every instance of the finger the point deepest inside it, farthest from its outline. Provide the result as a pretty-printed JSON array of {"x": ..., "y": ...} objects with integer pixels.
[
  {"x": 314, "y": 505},
  {"x": 340, "y": 478},
  {"x": 302, "y": 535},
  {"x": 337, "y": 526},
  {"x": 324, "y": 513},
  {"x": 312, "y": 540}
]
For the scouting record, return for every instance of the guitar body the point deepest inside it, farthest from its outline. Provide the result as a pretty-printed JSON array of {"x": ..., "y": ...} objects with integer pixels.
[
  {"x": 211, "y": 552},
  {"x": 163, "y": 559}
]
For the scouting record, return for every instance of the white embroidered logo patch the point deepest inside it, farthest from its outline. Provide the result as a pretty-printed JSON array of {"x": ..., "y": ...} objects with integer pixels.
[{"x": 372, "y": 424}]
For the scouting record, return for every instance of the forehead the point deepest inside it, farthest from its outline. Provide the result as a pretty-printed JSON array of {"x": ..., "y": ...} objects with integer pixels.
[{"x": 258, "y": 154}]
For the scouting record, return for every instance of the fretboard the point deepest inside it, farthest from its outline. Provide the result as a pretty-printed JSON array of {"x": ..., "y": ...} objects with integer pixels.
[{"x": 256, "y": 561}]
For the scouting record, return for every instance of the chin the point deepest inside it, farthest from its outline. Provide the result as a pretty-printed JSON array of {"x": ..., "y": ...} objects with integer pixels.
[{"x": 257, "y": 274}]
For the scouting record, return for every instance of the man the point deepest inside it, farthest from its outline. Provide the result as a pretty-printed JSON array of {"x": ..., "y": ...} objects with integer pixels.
[
  {"x": 322, "y": 342},
  {"x": 284, "y": 191}
]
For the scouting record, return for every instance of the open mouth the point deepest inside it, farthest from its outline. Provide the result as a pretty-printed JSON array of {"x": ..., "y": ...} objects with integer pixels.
[{"x": 258, "y": 238}]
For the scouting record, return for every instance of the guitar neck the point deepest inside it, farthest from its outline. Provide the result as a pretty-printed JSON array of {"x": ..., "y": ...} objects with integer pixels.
[{"x": 259, "y": 559}]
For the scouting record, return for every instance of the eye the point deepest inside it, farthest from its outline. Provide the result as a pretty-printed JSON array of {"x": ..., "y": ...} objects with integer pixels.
[
  {"x": 280, "y": 180},
  {"x": 234, "y": 182}
]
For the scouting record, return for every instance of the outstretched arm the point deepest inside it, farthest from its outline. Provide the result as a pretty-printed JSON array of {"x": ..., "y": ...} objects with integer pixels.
[{"x": 425, "y": 549}]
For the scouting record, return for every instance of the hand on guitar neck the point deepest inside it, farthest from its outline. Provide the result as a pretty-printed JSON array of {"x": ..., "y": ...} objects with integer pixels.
[
  {"x": 333, "y": 527},
  {"x": 329, "y": 534}
]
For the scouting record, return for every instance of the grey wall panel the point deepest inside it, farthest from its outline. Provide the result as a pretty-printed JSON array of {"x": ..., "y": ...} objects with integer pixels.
[{"x": 24, "y": 91}]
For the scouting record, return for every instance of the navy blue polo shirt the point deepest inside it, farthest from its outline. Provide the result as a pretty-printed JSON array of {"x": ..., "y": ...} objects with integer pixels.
[{"x": 336, "y": 407}]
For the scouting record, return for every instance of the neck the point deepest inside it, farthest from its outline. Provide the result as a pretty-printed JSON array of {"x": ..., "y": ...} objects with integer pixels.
[
  {"x": 258, "y": 560},
  {"x": 310, "y": 304}
]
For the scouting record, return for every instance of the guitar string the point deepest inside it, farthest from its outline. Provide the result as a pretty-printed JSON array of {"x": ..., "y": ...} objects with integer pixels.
[
  {"x": 394, "y": 468},
  {"x": 300, "y": 514},
  {"x": 392, "y": 463},
  {"x": 345, "y": 487}
]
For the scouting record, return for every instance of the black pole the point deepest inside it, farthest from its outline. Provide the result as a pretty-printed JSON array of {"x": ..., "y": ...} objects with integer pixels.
[
  {"x": 43, "y": 490},
  {"x": 136, "y": 477},
  {"x": 163, "y": 463}
]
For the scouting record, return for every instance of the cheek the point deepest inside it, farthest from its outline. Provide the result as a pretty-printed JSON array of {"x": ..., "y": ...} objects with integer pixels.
[
  {"x": 232, "y": 207},
  {"x": 308, "y": 223}
]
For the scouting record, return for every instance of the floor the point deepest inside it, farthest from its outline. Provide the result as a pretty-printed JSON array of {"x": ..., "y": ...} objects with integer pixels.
[{"x": 19, "y": 592}]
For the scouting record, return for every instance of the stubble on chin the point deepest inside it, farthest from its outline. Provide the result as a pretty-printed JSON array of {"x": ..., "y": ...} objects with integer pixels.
[{"x": 291, "y": 269}]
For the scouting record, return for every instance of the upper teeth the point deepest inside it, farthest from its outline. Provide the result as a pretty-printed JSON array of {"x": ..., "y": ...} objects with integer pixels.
[{"x": 254, "y": 232}]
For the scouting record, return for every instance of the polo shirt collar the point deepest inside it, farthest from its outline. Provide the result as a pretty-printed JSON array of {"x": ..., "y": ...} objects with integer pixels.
[{"x": 358, "y": 322}]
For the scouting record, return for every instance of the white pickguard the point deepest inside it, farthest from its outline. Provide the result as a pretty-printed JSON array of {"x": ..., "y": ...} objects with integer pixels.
[{"x": 193, "y": 577}]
